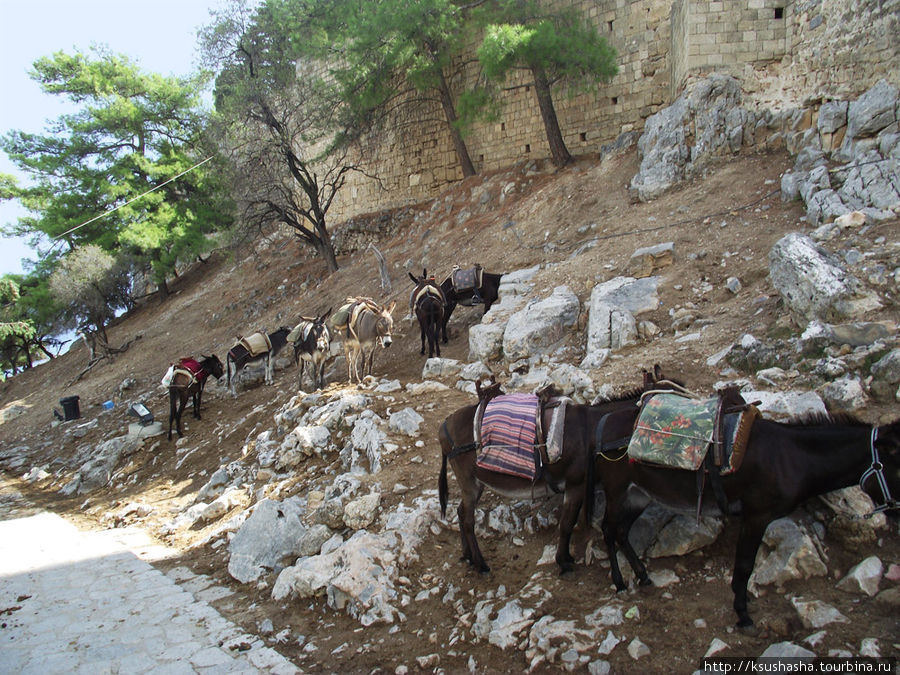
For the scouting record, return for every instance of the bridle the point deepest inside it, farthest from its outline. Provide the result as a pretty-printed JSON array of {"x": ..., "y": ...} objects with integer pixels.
[{"x": 876, "y": 468}]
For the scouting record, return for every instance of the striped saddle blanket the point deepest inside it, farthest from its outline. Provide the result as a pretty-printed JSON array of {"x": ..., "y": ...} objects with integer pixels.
[{"x": 509, "y": 434}]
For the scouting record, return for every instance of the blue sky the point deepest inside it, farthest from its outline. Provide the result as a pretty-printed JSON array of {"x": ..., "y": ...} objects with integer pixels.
[{"x": 159, "y": 35}]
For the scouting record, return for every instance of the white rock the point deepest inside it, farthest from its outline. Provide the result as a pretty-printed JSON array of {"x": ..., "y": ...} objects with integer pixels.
[
  {"x": 864, "y": 577},
  {"x": 637, "y": 649},
  {"x": 817, "y": 614}
]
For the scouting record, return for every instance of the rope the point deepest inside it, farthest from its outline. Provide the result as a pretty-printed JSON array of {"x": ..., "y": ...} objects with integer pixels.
[
  {"x": 617, "y": 459},
  {"x": 144, "y": 194}
]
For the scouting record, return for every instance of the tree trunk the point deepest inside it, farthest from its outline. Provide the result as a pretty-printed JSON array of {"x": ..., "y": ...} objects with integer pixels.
[
  {"x": 326, "y": 250},
  {"x": 462, "y": 152},
  {"x": 559, "y": 153},
  {"x": 163, "y": 289}
]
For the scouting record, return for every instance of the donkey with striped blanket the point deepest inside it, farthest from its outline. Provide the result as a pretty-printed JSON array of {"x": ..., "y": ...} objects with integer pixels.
[{"x": 460, "y": 447}]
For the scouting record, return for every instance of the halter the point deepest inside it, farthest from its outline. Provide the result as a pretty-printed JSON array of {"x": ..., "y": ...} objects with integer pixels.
[{"x": 877, "y": 469}]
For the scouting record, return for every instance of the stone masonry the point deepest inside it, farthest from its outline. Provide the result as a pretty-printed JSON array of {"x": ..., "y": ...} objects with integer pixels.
[{"x": 786, "y": 54}]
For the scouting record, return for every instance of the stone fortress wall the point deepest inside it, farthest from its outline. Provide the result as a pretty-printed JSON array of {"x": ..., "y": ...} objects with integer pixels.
[{"x": 785, "y": 53}]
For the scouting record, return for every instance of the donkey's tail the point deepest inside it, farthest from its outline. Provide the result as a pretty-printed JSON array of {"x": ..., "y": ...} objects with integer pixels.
[{"x": 443, "y": 490}]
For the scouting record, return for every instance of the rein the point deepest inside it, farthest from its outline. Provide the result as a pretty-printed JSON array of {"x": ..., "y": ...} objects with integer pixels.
[{"x": 877, "y": 469}]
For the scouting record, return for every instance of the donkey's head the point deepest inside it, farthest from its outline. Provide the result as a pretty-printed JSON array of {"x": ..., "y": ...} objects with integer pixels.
[
  {"x": 212, "y": 365},
  {"x": 320, "y": 330},
  {"x": 384, "y": 324}
]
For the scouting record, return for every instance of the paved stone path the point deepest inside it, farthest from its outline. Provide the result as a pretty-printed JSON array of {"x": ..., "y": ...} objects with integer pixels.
[{"x": 91, "y": 602}]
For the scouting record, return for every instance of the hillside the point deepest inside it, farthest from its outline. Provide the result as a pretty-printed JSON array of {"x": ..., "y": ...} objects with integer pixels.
[{"x": 722, "y": 225}]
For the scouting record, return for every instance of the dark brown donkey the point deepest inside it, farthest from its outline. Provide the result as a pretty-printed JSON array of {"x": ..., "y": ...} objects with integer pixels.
[
  {"x": 189, "y": 379},
  {"x": 784, "y": 465},
  {"x": 485, "y": 291},
  {"x": 458, "y": 447},
  {"x": 429, "y": 302}
]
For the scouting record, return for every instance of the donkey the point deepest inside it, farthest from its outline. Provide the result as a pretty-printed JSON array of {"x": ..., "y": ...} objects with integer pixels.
[
  {"x": 429, "y": 302},
  {"x": 239, "y": 355},
  {"x": 785, "y": 463},
  {"x": 312, "y": 343},
  {"x": 189, "y": 379},
  {"x": 364, "y": 325},
  {"x": 569, "y": 473},
  {"x": 484, "y": 293}
]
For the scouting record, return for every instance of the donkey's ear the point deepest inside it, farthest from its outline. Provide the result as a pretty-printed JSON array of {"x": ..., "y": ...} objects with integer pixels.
[
  {"x": 390, "y": 307},
  {"x": 414, "y": 280},
  {"x": 657, "y": 372}
]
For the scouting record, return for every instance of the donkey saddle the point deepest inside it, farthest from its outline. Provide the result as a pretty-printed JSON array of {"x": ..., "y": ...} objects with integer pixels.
[
  {"x": 349, "y": 312},
  {"x": 510, "y": 431},
  {"x": 708, "y": 437},
  {"x": 677, "y": 432},
  {"x": 256, "y": 344},
  {"x": 466, "y": 284}
]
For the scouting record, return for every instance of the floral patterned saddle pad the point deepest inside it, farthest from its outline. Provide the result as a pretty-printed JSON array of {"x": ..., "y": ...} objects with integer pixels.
[{"x": 677, "y": 432}]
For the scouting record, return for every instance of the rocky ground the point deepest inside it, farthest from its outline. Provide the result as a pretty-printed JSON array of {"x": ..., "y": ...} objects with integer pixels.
[{"x": 581, "y": 227}]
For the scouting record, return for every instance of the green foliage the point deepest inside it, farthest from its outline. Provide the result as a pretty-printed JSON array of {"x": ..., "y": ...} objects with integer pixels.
[
  {"x": 15, "y": 329},
  {"x": 555, "y": 46},
  {"x": 401, "y": 52},
  {"x": 131, "y": 132},
  {"x": 92, "y": 286},
  {"x": 520, "y": 35}
]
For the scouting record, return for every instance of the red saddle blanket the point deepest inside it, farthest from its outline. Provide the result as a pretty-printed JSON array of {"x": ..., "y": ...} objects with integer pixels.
[
  {"x": 508, "y": 435},
  {"x": 193, "y": 366}
]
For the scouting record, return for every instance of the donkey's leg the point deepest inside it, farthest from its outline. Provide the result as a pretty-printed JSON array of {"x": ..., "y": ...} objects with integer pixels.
[
  {"x": 196, "y": 404},
  {"x": 572, "y": 502},
  {"x": 422, "y": 333},
  {"x": 753, "y": 527},
  {"x": 471, "y": 493},
  {"x": 369, "y": 364},
  {"x": 172, "y": 410},
  {"x": 627, "y": 517},
  {"x": 182, "y": 404},
  {"x": 617, "y": 521},
  {"x": 435, "y": 337}
]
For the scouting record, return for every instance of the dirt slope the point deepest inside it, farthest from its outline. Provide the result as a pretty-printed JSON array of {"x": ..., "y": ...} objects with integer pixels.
[{"x": 722, "y": 225}]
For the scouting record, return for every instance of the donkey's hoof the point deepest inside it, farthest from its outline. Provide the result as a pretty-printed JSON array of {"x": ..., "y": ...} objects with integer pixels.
[
  {"x": 749, "y": 629},
  {"x": 645, "y": 581}
]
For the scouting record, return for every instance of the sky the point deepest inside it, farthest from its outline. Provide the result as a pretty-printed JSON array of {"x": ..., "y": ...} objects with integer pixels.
[{"x": 161, "y": 36}]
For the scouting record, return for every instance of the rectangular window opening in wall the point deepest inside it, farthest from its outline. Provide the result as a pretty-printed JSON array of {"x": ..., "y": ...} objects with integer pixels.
[
  {"x": 615, "y": 100},
  {"x": 527, "y": 148},
  {"x": 609, "y": 25},
  {"x": 502, "y": 126},
  {"x": 779, "y": 12},
  {"x": 583, "y": 137},
  {"x": 481, "y": 158}
]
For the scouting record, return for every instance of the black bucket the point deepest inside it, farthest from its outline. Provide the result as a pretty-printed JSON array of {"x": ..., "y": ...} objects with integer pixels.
[{"x": 70, "y": 407}]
